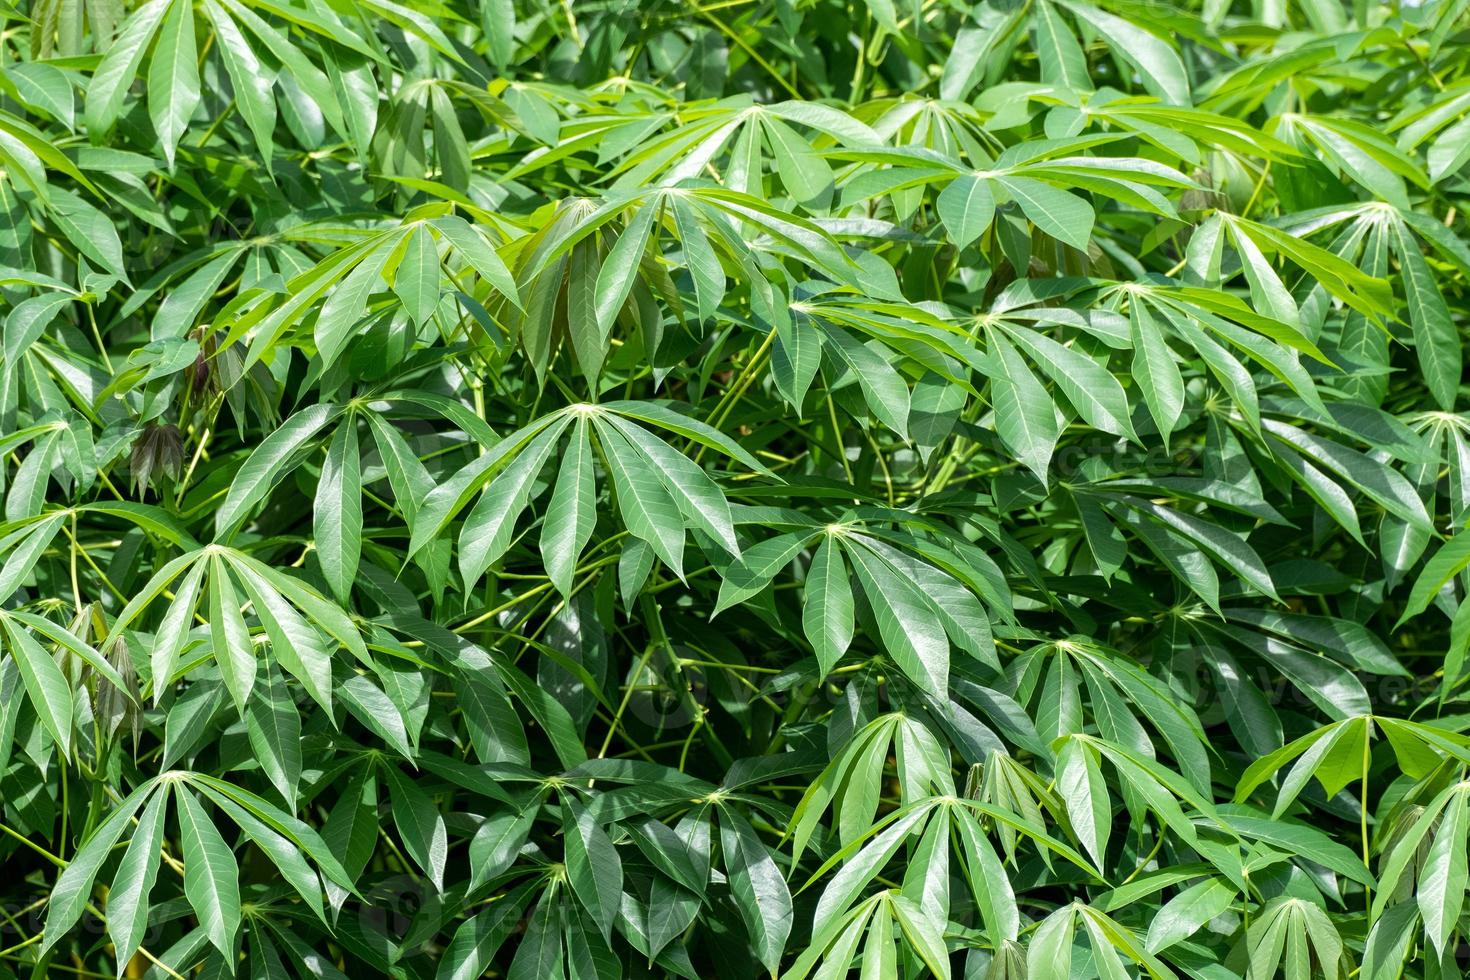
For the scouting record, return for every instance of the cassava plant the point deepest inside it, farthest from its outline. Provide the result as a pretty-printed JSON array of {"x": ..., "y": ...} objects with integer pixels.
[{"x": 734, "y": 488}]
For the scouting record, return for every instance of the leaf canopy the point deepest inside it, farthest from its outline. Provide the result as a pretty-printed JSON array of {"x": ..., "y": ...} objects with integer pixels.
[{"x": 738, "y": 489}]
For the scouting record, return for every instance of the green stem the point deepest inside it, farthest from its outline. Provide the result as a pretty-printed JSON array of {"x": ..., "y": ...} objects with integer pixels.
[{"x": 53, "y": 858}]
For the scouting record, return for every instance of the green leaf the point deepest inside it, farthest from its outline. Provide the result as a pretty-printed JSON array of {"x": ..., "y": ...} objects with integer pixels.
[
  {"x": 1025, "y": 416},
  {"x": 296, "y": 645},
  {"x": 234, "y": 650},
  {"x": 588, "y": 342},
  {"x": 264, "y": 467},
  {"x": 804, "y": 175},
  {"x": 250, "y": 80},
  {"x": 910, "y": 631},
  {"x": 572, "y": 513},
  {"x": 648, "y": 510},
  {"x": 1186, "y": 913},
  {"x": 1081, "y": 787},
  {"x": 924, "y": 935},
  {"x": 756, "y": 568},
  {"x": 88, "y": 229},
  {"x": 593, "y": 866},
  {"x": 1062, "y": 61},
  {"x": 416, "y": 279},
  {"x": 337, "y": 511},
  {"x": 697, "y": 496},
  {"x": 1061, "y": 214},
  {"x": 883, "y": 388},
  {"x": 827, "y": 614},
  {"x": 25, "y": 547},
  {"x": 473, "y": 248},
  {"x": 759, "y": 890},
  {"x": 127, "y": 900},
  {"x": 1154, "y": 368},
  {"x": 420, "y": 825},
  {"x": 479, "y": 938},
  {"x": 1159, "y": 66},
  {"x": 46, "y": 686},
  {"x": 700, "y": 258},
  {"x": 1441, "y": 891},
  {"x": 114, "y": 75},
  {"x": 173, "y": 631},
  {"x": 539, "y": 954},
  {"x": 211, "y": 876},
  {"x": 496, "y": 844},
  {"x": 620, "y": 268},
  {"x": 346, "y": 305},
  {"x": 1436, "y": 341},
  {"x": 173, "y": 77},
  {"x": 994, "y": 894},
  {"x": 1091, "y": 388},
  {"x": 1452, "y": 558},
  {"x": 488, "y": 527},
  {"x": 274, "y": 729},
  {"x": 73, "y": 888},
  {"x": 661, "y": 415}
]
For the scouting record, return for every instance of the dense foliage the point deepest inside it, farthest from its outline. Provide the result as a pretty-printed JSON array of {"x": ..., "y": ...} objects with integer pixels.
[{"x": 512, "y": 488}]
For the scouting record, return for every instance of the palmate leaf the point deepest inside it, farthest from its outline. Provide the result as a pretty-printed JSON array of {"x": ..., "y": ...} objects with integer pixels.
[
  {"x": 303, "y": 627},
  {"x": 659, "y": 491},
  {"x": 751, "y": 132},
  {"x": 1303, "y": 927},
  {"x": 210, "y": 877},
  {"x": 920, "y": 610},
  {"x": 850, "y": 784}
]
